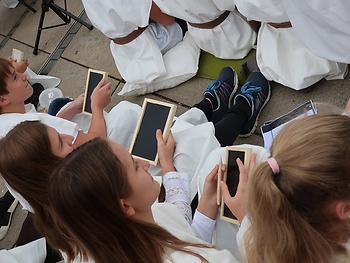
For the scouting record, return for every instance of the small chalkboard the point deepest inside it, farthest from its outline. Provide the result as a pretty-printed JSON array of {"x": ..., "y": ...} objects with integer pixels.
[
  {"x": 92, "y": 80},
  {"x": 232, "y": 177},
  {"x": 155, "y": 115}
]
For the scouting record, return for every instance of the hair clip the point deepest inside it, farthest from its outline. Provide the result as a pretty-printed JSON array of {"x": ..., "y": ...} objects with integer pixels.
[{"x": 274, "y": 165}]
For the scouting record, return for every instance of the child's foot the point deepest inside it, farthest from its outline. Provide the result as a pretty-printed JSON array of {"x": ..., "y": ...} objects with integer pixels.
[
  {"x": 220, "y": 92},
  {"x": 256, "y": 93}
]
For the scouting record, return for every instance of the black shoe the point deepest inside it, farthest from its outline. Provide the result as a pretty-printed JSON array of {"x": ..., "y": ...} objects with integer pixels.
[
  {"x": 220, "y": 92},
  {"x": 256, "y": 92}
]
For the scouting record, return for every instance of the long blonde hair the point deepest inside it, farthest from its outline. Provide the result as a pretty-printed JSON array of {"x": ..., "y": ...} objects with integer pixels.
[{"x": 289, "y": 212}]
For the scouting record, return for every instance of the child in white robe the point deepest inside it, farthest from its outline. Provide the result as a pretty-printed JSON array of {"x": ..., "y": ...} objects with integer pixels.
[
  {"x": 281, "y": 54},
  {"x": 137, "y": 45},
  {"x": 132, "y": 218}
]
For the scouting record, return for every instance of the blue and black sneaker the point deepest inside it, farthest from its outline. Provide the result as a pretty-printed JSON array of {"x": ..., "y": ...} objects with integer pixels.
[
  {"x": 220, "y": 92},
  {"x": 256, "y": 92}
]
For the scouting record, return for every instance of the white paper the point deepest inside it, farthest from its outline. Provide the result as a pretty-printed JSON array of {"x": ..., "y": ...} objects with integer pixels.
[{"x": 270, "y": 129}]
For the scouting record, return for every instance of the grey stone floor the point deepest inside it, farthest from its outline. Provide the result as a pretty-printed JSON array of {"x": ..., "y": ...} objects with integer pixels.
[{"x": 90, "y": 49}]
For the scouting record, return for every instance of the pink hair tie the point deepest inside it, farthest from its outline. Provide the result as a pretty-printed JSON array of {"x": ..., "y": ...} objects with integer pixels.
[{"x": 274, "y": 165}]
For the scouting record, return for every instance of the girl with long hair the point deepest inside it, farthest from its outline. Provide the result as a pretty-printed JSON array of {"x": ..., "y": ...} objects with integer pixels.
[
  {"x": 30, "y": 152},
  {"x": 298, "y": 201},
  {"x": 101, "y": 201}
]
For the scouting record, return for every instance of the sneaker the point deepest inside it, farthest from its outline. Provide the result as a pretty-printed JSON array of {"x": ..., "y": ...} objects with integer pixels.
[
  {"x": 5, "y": 220},
  {"x": 256, "y": 92},
  {"x": 220, "y": 92}
]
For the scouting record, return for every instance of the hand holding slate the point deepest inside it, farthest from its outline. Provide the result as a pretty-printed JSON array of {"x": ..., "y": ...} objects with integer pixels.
[
  {"x": 101, "y": 96},
  {"x": 237, "y": 203},
  {"x": 166, "y": 152}
]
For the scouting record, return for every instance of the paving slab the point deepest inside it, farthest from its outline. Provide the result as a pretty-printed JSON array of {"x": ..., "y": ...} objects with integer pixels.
[
  {"x": 91, "y": 49},
  {"x": 189, "y": 92},
  {"x": 74, "y": 78},
  {"x": 9, "y": 17},
  {"x": 49, "y": 37},
  {"x": 35, "y": 62},
  {"x": 253, "y": 139}
]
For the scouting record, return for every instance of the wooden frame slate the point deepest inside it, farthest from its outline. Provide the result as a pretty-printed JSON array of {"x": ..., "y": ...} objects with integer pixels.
[
  {"x": 89, "y": 90},
  {"x": 225, "y": 214},
  {"x": 138, "y": 142}
]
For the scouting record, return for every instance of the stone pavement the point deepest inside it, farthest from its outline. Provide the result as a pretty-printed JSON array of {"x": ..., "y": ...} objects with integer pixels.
[{"x": 67, "y": 55}]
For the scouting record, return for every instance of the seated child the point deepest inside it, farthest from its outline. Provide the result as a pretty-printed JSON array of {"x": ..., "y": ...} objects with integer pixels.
[{"x": 297, "y": 205}]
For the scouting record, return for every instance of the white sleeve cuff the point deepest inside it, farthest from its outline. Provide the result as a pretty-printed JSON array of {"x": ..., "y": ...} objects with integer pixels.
[{"x": 203, "y": 226}]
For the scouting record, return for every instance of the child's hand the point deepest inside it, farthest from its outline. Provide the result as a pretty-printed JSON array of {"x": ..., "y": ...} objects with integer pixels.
[
  {"x": 101, "y": 96},
  {"x": 77, "y": 103},
  {"x": 237, "y": 203},
  {"x": 207, "y": 204},
  {"x": 20, "y": 67},
  {"x": 166, "y": 152}
]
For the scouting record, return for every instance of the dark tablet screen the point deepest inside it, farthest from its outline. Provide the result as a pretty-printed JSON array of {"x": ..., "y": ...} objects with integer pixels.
[
  {"x": 94, "y": 79},
  {"x": 232, "y": 177},
  {"x": 155, "y": 117}
]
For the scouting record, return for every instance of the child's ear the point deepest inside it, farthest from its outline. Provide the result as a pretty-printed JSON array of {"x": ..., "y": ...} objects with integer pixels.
[
  {"x": 127, "y": 208},
  {"x": 3, "y": 101},
  {"x": 342, "y": 209}
]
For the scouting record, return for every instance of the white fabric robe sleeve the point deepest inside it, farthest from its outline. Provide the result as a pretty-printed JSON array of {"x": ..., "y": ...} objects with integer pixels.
[
  {"x": 177, "y": 193},
  {"x": 33, "y": 252},
  {"x": 203, "y": 226}
]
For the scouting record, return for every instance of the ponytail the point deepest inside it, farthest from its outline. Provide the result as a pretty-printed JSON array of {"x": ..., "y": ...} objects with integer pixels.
[{"x": 279, "y": 234}]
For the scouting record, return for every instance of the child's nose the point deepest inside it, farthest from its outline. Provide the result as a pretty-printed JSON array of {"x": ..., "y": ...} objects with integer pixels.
[{"x": 24, "y": 77}]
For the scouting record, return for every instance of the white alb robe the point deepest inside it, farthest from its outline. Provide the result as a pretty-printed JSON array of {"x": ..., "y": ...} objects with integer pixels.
[
  {"x": 281, "y": 55},
  {"x": 232, "y": 39},
  {"x": 322, "y": 26},
  {"x": 140, "y": 62}
]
